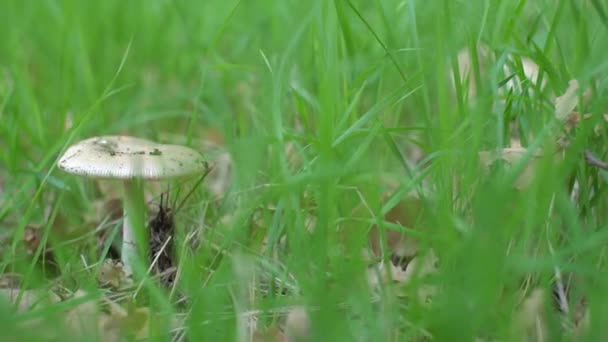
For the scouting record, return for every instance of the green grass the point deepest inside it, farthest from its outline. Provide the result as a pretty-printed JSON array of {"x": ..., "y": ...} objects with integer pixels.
[{"x": 352, "y": 87}]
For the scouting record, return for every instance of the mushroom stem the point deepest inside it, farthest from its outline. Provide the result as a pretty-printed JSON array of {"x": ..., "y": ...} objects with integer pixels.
[{"x": 134, "y": 237}]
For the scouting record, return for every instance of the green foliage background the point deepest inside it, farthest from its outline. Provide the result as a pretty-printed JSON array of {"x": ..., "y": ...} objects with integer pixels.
[{"x": 351, "y": 85}]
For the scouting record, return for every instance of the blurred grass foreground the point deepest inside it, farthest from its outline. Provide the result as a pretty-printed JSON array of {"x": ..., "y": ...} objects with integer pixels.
[{"x": 382, "y": 170}]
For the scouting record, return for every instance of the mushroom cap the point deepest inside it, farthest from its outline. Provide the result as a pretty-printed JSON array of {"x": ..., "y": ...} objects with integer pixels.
[{"x": 124, "y": 157}]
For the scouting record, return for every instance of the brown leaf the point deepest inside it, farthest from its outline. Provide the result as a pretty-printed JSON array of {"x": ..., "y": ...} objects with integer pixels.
[
  {"x": 409, "y": 213},
  {"x": 110, "y": 328},
  {"x": 112, "y": 273},
  {"x": 82, "y": 320},
  {"x": 68, "y": 121},
  {"x": 269, "y": 335},
  {"x": 220, "y": 177},
  {"x": 132, "y": 321},
  {"x": 294, "y": 159},
  {"x": 572, "y": 121},
  {"x": 86, "y": 320},
  {"x": 485, "y": 57},
  {"x": 530, "y": 320},
  {"x": 581, "y": 317},
  {"x": 31, "y": 239},
  {"x": 465, "y": 65},
  {"x": 28, "y": 299},
  {"x": 419, "y": 267},
  {"x": 380, "y": 275},
  {"x": 1, "y": 189},
  {"x": 531, "y": 72},
  {"x": 511, "y": 156},
  {"x": 213, "y": 138},
  {"x": 297, "y": 325},
  {"x": 136, "y": 323},
  {"x": 12, "y": 280},
  {"x": 565, "y": 104}
]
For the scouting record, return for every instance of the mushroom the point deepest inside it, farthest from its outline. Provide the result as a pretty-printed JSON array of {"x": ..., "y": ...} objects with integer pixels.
[{"x": 131, "y": 160}]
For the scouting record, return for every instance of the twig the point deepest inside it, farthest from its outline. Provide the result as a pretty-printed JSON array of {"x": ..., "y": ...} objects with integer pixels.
[
  {"x": 560, "y": 289},
  {"x": 208, "y": 170},
  {"x": 162, "y": 249},
  {"x": 594, "y": 161}
]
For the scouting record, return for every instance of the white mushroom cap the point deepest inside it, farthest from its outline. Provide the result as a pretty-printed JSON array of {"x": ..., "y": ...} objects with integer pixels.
[{"x": 123, "y": 157}]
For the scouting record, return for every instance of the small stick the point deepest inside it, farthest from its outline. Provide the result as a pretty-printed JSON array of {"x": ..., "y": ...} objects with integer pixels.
[
  {"x": 594, "y": 161},
  {"x": 562, "y": 297},
  {"x": 198, "y": 182},
  {"x": 141, "y": 283}
]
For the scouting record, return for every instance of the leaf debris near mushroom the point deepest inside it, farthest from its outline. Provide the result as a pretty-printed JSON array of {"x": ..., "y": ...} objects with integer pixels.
[{"x": 131, "y": 160}]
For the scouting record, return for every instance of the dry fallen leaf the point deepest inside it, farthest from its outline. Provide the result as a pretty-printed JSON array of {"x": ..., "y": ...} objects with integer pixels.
[
  {"x": 409, "y": 212},
  {"x": 28, "y": 299},
  {"x": 379, "y": 274},
  {"x": 68, "y": 121},
  {"x": 567, "y": 102},
  {"x": 292, "y": 148},
  {"x": 297, "y": 325},
  {"x": 582, "y": 318},
  {"x": 531, "y": 72},
  {"x": 31, "y": 239},
  {"x": 511, "y": 156},
  {"x": 1, "y": 189},
  {"x": 465, "y": 65},
  {"x": 132, "y": 322},
  {"x": 86, "y": 320},
  {"x": 112, "y": 273},
  {"x": 294, "y": 159},
  {"x": 420, "y": 266},
  {"x": 214, "y": 138},
  {"x": 573, "y": 120},
  {"x": 486, "y": 57},
  {"x": 12, "y": 280},
  {"x": 530, "y": 321},
  {"x": 269, "y": 335},
  {"x": 110, "y": 328},
  {"x": 220, "y": 177},
  {"x": 82, "y": 319}
]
